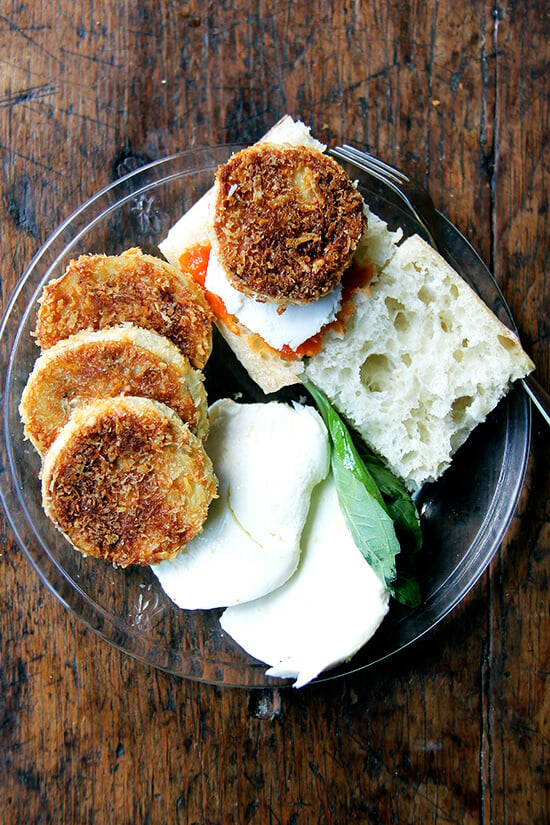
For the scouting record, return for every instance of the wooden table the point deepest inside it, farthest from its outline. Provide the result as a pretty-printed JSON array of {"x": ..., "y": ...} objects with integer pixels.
[{"x": 456, "y": 729}]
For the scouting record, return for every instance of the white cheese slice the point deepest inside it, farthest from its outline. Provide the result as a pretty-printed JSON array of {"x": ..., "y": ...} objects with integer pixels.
[
  {"x": 267, "y": 458},
  {"x": 291, "y": 327},
  {"x": 325, "y": 613}
]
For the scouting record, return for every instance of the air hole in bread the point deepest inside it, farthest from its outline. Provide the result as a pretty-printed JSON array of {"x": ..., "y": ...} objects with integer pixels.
[
  {"x": 426, "y": 294},
  {"x": 401, "y": 322},
  {"x": 397, "y": 313},
  {"x": 394, "y": 306},
  {"x": 458, "y": 355},
  {"x": 407, "y": 359},
  {"x": 459, "y": 408},
  {"x": 445, "y": 321},
  {"x": 507, "y": 343},
  {"x": 408, "y": 458},
  {"x": 417, "y": 431},
  {"x": 423, "y": 433},
  {"x": 408, "y": 424},
  {"x": 375, "y": 371}
]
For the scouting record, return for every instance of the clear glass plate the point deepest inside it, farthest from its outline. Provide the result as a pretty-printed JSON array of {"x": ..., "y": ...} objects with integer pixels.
[{"x": 464, "y": 515}]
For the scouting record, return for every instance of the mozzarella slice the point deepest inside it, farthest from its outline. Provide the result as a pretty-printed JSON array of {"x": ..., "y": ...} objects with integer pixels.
[
  {"x": 267, "y": 458},
  {"x": 291, "y": 327},
  {"x": 325, "y": 613}
]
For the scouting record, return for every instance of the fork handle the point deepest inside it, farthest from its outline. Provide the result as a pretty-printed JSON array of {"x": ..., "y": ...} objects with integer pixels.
[{"x": 538, "y": 395}]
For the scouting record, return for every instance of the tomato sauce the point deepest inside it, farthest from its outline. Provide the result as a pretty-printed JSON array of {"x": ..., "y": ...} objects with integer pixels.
[{"x": 194, "y": 261}]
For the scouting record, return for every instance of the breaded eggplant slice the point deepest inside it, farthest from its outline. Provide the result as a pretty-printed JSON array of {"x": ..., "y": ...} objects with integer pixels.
[
  {"x": 124, "y": 360},
  {"x": 98, "y": 291},
  {"x": 127, "y": 481},
  {"x": 286, "y": 222}
]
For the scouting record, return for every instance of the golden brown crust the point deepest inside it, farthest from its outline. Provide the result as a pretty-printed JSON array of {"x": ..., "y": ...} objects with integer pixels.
[
  {"x": 117, "y": 361},
  {"x": 99, "y": 291},
  {"x": 287, "y": 220},
  {"x": 126, "y": 481}
]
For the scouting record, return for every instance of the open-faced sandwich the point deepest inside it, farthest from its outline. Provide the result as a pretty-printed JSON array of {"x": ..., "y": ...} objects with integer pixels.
[{"x": 306, "y": 283}]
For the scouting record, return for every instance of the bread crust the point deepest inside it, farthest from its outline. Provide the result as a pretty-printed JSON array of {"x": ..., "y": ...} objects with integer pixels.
[
  {"x": 126, "y": 481},
  {"x": 286, "y": 222},
  {"x": 124, "y": 360},
  {"x": 264, "y": 365},
  {"x": 99, "y": 291}
]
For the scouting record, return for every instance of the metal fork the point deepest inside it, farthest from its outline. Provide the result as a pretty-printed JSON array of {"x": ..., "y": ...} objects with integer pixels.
[
  {"x": 421, "y": 205},
  {"x": 416, "y": 198}
]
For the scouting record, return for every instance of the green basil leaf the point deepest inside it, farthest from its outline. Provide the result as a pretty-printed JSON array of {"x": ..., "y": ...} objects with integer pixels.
[
  {"x": 370, "y": 526},
  {"x": 397, "y": 499},
  {"x": 406, "y": 590},
  {"x": 343, "y": 445},
  {"x": 376, "y": 505}
]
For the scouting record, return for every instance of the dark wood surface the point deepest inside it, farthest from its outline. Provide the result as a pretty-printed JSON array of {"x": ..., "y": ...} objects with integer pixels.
[{"x": 455, "y": 730}]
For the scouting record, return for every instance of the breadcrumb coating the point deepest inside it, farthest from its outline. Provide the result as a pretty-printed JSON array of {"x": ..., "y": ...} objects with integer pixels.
[
  {"x": 99, "y": 291},
  {"x": 286, "y": 222},
  {"x": 127, "y": 482},
  {"x": 123, "y": 360}
]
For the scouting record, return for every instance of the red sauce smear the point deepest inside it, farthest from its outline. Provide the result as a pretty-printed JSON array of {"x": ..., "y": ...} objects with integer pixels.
[{"x": 194, "y": 261}]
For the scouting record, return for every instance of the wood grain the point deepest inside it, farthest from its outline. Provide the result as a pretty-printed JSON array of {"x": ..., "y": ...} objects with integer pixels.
[{"x": 454, "y": 730}]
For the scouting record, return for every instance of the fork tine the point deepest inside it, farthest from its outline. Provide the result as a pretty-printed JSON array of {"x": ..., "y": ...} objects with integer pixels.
[
  {"x": 364, "y": 162},
  {"x": 389, "y": 171},
  {"x": 393, "y": 179},
  {"x": 369, "y": 163}
]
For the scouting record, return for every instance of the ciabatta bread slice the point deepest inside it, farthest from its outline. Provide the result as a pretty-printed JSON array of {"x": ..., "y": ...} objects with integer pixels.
[{"x": 422, "y": 362}]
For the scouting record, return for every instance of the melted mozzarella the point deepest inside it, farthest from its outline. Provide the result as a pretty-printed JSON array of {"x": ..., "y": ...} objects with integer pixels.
[
  {"x": 267, "y": 458},
  {"x": 325, "y": 613}
]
